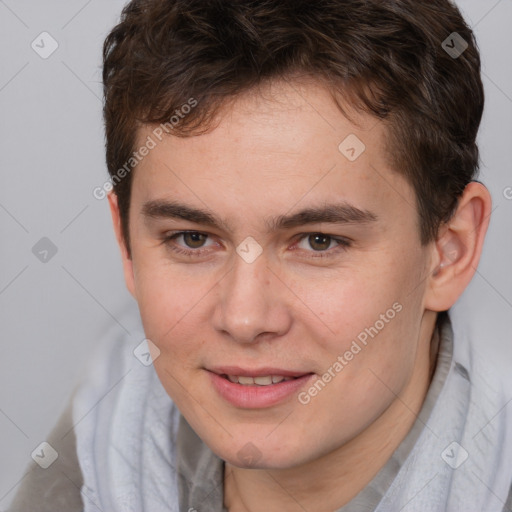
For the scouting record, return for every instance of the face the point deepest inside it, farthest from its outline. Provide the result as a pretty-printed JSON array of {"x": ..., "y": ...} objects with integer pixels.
[{"x": 264, "y": 248}]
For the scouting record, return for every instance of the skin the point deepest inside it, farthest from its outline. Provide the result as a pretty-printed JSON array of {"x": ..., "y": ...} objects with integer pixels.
[{"x": 273, "y": 154}]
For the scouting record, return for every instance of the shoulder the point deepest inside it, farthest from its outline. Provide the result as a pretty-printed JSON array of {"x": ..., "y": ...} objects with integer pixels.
[
  {"x": 488, "y": 431},
  {"x": 491, "y": 383},
  {"x": 121, "y": 404},
  {"x": 113, "y": 375},
  {"x": 56, "y": 487}
]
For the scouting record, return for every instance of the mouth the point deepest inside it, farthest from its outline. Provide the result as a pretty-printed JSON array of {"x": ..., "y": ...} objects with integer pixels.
[
  {"x": 265, "y": 380},
  {"x": 257, "y": 388},
  {"x": 257, "y": 376}
]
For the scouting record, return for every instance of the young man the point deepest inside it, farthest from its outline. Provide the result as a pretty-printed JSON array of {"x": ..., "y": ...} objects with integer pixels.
[{"x": 295, "y": 204}]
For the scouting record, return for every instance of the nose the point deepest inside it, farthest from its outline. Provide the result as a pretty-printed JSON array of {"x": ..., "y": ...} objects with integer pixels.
[{"x": 252, "y": 303}]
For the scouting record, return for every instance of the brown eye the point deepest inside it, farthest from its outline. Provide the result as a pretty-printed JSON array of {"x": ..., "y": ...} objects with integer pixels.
[
  {"x": 319, "y": 242},
  {"x": 194, "y": 240},
  {"x": 321, "y": 245},
  {"x": 189, "y": 243}
]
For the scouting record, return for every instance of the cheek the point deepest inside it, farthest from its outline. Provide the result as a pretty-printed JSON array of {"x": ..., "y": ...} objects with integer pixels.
[
  {"x": 166, "y": 292},
  {"x": 169, "y": 312},
  {"x": 350, "y": 301},
  {"x": 372, "y": 361},
  {"x": 167, "y": 305},
  {"x": 371, "y": 319}
]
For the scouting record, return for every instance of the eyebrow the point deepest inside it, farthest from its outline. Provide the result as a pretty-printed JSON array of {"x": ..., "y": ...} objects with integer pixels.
[{"x": 334, "y": 213}]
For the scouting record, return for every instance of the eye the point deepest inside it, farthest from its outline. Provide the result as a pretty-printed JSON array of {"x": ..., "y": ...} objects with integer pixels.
[
  {"x": 194, "y": 242},
  {"x": 194, "y": 239},
  {"x": 322, "y": 243}
]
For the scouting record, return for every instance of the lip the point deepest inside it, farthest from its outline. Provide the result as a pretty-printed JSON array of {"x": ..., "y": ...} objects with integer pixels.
[{"x": 258, "y": 397}]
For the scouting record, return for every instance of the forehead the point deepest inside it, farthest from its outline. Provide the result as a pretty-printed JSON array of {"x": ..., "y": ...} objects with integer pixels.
[{"x": 270, "y": 151}]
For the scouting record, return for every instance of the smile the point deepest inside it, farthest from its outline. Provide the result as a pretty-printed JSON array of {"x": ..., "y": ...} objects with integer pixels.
[
  {"x": 266, "y": 380},
  {"x": 262, "y": 389}
]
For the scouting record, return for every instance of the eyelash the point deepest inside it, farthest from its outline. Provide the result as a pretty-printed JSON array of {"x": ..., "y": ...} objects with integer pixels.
[{"x": 343, "y": 244}]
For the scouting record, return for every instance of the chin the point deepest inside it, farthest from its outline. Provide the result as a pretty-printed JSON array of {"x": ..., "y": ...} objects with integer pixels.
[{"x": 260, "y": 455}]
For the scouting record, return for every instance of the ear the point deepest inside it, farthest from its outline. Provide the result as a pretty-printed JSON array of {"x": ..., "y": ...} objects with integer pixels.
[
  {"x": 126, "y": 258},
  {"x": 457, "y": 250}
]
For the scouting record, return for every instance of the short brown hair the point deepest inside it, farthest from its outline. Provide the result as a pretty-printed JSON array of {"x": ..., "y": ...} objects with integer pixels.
[{"x": 387, "y": 55}]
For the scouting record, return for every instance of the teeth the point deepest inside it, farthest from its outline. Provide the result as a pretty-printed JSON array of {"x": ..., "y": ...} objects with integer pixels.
[
  {"x": 259, "y": 381},
  {"x": 245, "y": 380},
  {"x": 263, "y": 381}
]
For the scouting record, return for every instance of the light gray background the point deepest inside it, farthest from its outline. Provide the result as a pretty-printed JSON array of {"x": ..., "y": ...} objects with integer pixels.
[{"x": 53, "y": 314}]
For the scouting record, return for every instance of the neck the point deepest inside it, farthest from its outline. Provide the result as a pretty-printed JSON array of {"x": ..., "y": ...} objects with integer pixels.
[{"x": 341, "y": 474}]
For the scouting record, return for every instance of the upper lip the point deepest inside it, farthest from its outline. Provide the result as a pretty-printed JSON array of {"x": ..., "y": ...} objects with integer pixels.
[{"x": 255, "y": 372}]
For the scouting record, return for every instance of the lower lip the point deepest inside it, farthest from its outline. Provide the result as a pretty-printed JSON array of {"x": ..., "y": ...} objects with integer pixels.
[{"x": 257, "y": 397}]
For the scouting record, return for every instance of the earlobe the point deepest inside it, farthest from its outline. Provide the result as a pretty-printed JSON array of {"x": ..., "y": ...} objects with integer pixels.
[
  {"x": 125, "y": 256},
  {"x": 458, "y": 248}
]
